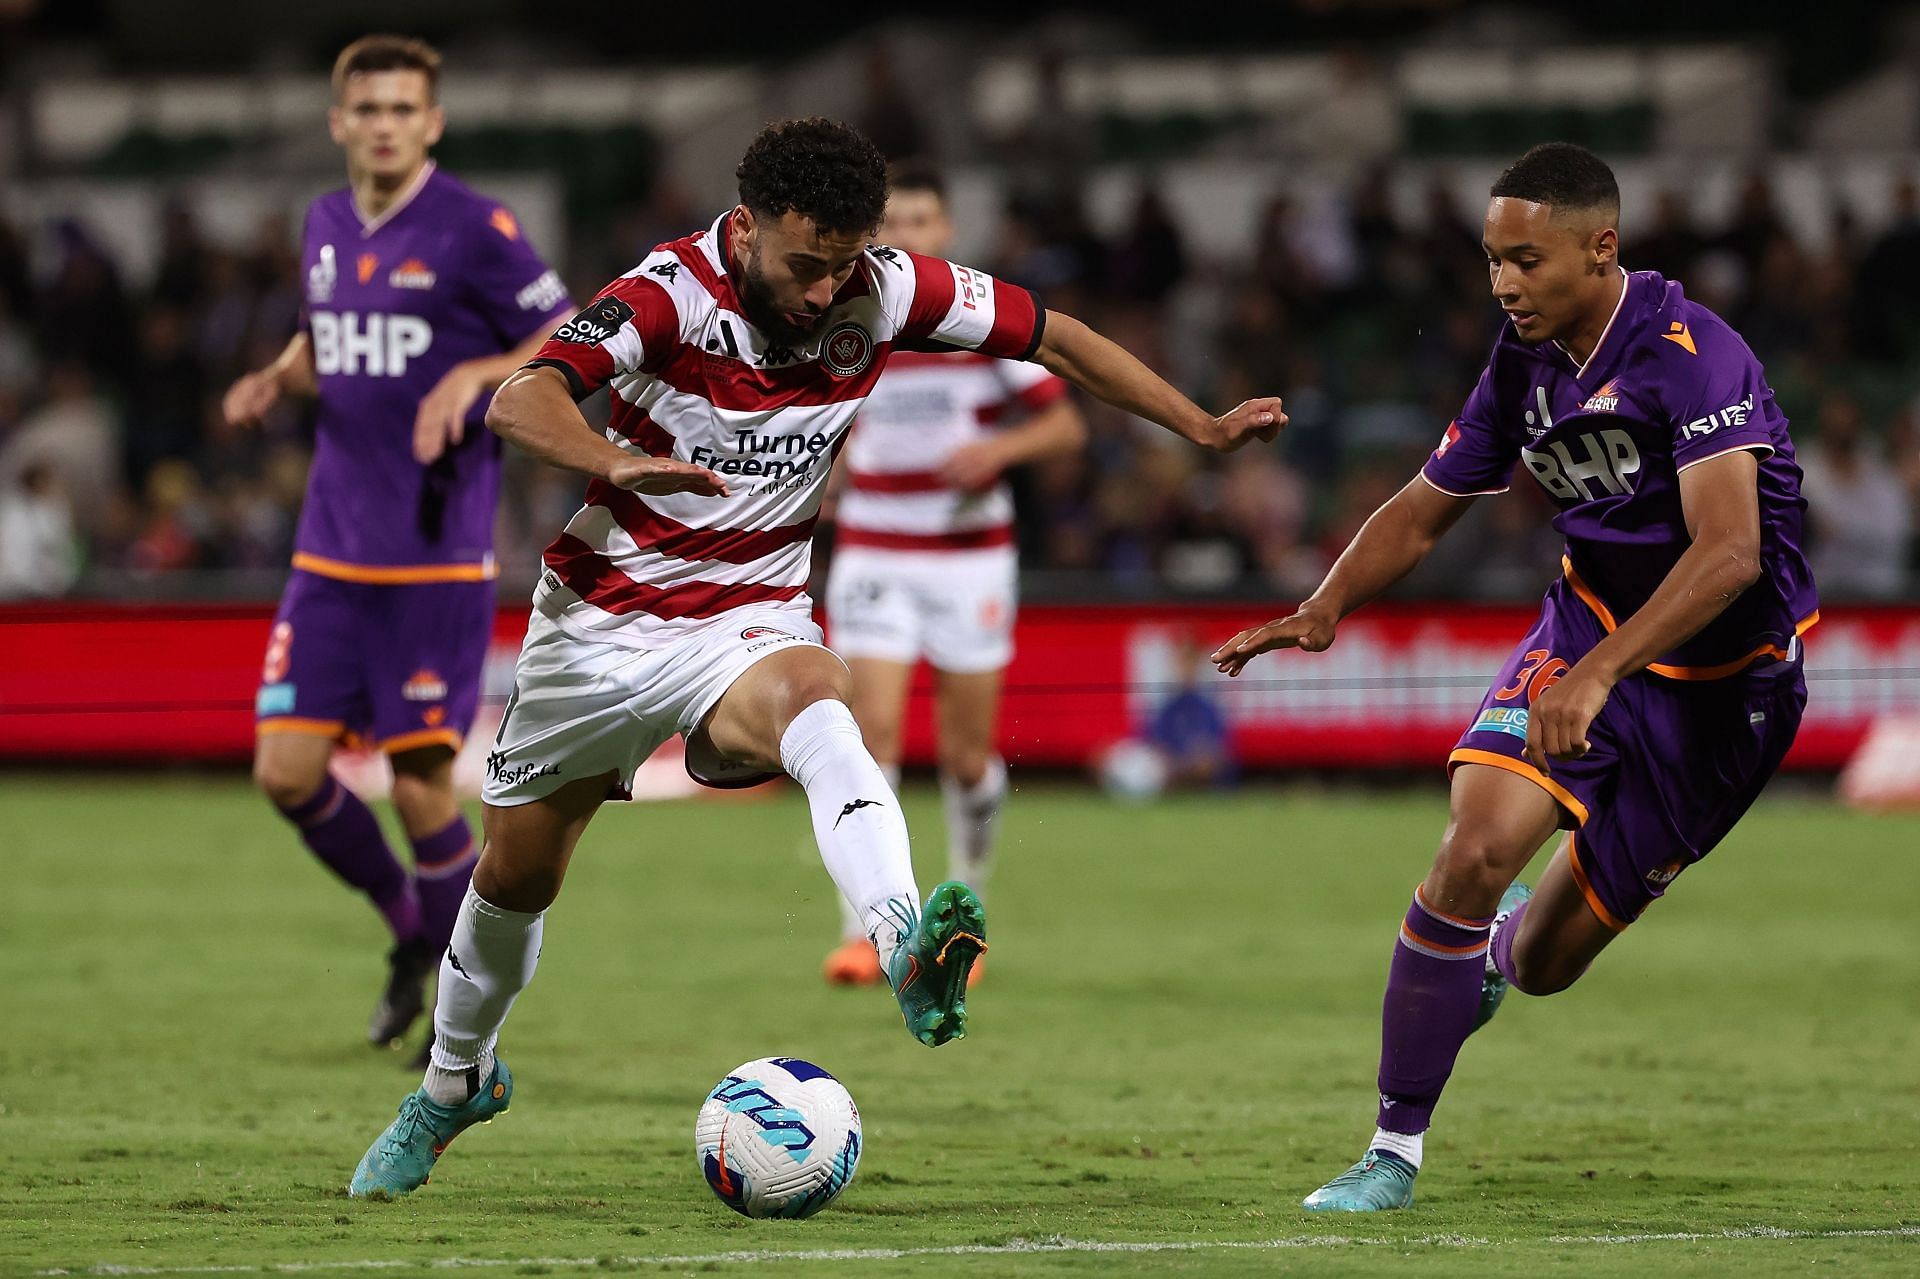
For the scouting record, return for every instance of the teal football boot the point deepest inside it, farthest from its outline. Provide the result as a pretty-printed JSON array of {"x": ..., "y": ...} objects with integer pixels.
[
  {"x": 1493, "y": 987},
  {"x": 929, "y": 969},
  {"x": 401, "y": 1159},
  {"x": 1378, "y": 1182}
]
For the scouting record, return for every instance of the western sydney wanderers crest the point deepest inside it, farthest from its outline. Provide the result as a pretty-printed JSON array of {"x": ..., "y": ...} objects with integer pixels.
[
  {"x": 763, "y": 632},
  {"x": 847, "y": 351}
]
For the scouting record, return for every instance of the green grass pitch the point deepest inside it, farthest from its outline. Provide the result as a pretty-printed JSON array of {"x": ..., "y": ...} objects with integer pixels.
[{"x": 1173, "y": 1042}]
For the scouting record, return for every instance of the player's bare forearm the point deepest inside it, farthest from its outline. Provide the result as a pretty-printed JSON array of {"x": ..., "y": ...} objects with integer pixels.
[
  {"x": 293, "y": 369},
  {"x": 1721, "y": 501},
  {"x": 1388, "y": 546},
  {"x": 534, "y": 411},
  {"x": 1393, "y": 540},
  {"x": 1108, "y": 372}
]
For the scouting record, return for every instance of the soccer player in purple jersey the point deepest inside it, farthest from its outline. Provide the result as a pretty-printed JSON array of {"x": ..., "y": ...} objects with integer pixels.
[
  {"x": 1661, "y": 685},
  {"x": 422, "y": 296}
]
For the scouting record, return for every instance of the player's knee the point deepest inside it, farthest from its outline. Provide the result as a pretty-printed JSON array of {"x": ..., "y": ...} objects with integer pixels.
[
  {"x": 965, "y": 762},
  {"x": 286, "y": 784},
  {"x": 1535, "y": 973},
  {"x": 529, "y": 885},
  {"x": 1470, "y": 872}
]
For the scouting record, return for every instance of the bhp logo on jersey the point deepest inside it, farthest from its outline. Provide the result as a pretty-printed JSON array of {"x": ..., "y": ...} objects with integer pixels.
[
  {"x": 372, "y": 345},
  {"x": 847, "y": 351},
  {"x": 1607, "y": 459},
  {"x": 596, "y": 322}
]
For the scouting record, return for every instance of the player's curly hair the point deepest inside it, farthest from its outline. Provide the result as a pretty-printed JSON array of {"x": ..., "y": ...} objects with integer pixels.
[
  {"x": 824, "y": 170},
  {"x": 1562, "y": 174}
]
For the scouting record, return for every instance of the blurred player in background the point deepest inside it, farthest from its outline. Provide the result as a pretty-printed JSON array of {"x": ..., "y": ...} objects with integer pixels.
[
  {"x": 1661, "y": 685},
  {"x": 675, "y": 602},
  {"x": 924, "y": 563},
  {"x": 421, "y": 296}
]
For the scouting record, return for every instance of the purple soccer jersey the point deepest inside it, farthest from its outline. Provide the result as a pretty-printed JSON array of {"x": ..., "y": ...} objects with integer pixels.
[
  {"x": 1681, "y": 750},
  {"x": 444, "y": 275},
  {"x": 1668, "y": 386}
]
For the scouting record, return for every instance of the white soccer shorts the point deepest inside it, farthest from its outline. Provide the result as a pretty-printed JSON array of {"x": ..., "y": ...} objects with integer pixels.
[
  {"x": 582, "y": 708},
  {"x": 954, "y": 608}
]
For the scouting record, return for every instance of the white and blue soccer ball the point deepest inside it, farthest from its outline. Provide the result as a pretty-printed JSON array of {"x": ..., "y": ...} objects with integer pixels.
[{"x": 778, "y": 1137}]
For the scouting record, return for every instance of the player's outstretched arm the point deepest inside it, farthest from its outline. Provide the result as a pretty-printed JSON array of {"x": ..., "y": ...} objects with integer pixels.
[
  {"x": 1720, "y": 500},
  {"x": 1105, "y": 370},
  {"x": 534, "y": 411},
  {"x": 254, "y": 395},
  {"x": 1394, "y": 539}
]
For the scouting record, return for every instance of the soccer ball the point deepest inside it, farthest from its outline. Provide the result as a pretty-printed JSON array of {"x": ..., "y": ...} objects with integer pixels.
[{"x": 778, "y": 1137}]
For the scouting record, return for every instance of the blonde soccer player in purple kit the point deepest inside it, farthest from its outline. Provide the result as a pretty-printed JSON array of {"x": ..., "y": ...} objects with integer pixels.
[
  {"x": 1661, "y": 685},
  {"x": 421, "y": 297}
]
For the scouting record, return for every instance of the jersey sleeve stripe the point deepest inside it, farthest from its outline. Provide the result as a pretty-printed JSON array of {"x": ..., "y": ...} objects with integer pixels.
[
  {"x": 1450, "y": 493},
  {"x": 1746, "y": 446},
  {"x": 663, "y": 535},
  {"x": 599, "y": 582},
  {"x": 576, "y": 383}
]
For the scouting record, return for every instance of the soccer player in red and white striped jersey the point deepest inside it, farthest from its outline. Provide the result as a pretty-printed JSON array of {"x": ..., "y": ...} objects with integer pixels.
[
  {"x": 675, "y": 601},
  {"x": 924, "y": 562}
]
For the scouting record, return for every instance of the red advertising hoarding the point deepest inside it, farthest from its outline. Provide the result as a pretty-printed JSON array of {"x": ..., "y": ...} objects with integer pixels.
[{"x": 133, "y": 683}]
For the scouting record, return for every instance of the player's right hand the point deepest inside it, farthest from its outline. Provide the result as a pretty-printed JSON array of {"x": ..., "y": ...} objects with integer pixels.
[
  {"x": 250, "y": 399},
  {"x": 657, "y": 475},
  {"x": 1309, "y": 631},
  {"x": 1262, "y": 419}
]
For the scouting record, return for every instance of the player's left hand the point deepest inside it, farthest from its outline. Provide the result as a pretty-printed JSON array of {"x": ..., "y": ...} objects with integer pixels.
[
  {"x": 1560, "y": 716},
  {"x": 973, "y": 467},
  {"x": 1260, "y": 419},
  {"x": 441, "y": 422}
]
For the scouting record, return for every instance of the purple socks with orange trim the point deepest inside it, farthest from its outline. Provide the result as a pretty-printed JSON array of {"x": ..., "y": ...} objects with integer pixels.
[
  {"x": 1433, "y": 995},
  {"x": 343, "y": 833},
  {"x": 442, "y": 868}
]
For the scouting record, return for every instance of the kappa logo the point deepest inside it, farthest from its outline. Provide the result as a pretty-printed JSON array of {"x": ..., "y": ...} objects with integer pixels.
[
  {"x": 847, "y": 351},
  {"x": 412, "y": 274},
  {"x": 424, "y": 685},
  {"x": 596, "y": 322},
  {"x": 854, "y": 807}
]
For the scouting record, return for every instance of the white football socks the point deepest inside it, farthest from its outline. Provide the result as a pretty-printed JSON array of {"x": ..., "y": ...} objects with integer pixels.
[
  {"x": 1409, "y": 1146},
  {"x": 973, "y": 818},
  {"x": 856, "y": 820},
  {"x": 851, "y": 927},
  {"x": 489, "y": 961}
]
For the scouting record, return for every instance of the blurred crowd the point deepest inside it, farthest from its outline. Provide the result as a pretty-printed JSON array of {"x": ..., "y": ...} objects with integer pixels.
[{"x": 117, "y": 472}]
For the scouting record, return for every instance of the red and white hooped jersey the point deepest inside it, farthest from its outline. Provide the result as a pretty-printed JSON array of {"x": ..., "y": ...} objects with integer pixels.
[
  {"x": 926, "y": 408},
  {"x": 692, "y": 379}
]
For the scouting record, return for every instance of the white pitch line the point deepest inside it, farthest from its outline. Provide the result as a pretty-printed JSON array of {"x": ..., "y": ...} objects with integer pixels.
[{"x": 749, "y": 1256}]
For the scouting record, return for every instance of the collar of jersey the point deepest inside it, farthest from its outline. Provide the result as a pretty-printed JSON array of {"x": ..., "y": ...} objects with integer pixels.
[
  {"x": 369, "y": 225},
  {"x": 1612, "y": 338}
]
